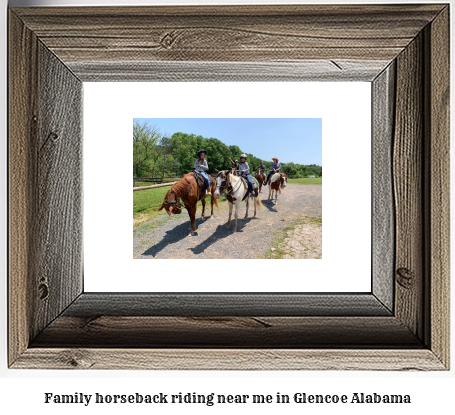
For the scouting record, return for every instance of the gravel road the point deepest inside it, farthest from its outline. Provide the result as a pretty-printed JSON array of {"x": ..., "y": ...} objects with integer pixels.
[{"x": 169, "y": 238}]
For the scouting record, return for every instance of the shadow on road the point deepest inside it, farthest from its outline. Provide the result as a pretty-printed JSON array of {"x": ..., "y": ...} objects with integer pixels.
[
  {"x": 270, "y": 205},
  {"x": 172, "y": 236},
  {"x": 220, "y": 232}
]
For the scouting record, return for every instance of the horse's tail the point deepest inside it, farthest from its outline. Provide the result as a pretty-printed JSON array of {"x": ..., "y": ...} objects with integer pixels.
[
  {"x": 216, "y": 201},
  {"x": 259, "y": 204},
  {"x": 279, "y": 189}
]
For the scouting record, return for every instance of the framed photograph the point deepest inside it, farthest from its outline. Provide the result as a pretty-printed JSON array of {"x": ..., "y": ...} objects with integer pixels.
[{"x": 374, "y": 78}]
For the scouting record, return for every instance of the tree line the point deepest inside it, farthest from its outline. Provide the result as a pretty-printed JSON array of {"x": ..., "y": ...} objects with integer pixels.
[{"x": 155, "y": 154}]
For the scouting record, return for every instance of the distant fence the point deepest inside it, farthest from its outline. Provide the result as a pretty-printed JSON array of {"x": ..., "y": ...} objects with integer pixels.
[
  {"x": 143, "y": 183},
  {"x": 138, "y": 181}
]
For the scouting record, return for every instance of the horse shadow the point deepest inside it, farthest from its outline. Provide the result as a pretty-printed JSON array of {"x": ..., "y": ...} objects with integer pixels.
[
  {"x": 270, "y": 205},
  {"x": 220, "y": 232},
  {"x": 172, "y": 236}
]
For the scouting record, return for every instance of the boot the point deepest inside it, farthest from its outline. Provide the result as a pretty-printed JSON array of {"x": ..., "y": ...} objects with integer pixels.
[{"x": 207, "y": 192}]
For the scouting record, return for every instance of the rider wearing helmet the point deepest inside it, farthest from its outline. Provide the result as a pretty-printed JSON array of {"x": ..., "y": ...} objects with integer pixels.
[
  {"x": 244, "y": 169},
  {"x": 200, "y": 165}
]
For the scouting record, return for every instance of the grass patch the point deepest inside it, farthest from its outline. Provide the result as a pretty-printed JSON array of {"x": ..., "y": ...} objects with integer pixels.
[
  {"x": 147, "y": 202},
  {"x": 312, "y": 180},
  {"x": 280, "y": 235}
]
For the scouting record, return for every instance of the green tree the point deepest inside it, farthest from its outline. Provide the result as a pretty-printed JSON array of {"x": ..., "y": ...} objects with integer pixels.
[{"x": 146, "y": 139}]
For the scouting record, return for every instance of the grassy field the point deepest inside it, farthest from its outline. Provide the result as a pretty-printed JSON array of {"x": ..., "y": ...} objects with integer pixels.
[
  {"x": 315, "y": 180},
  {"x": 146, "y": 203}
]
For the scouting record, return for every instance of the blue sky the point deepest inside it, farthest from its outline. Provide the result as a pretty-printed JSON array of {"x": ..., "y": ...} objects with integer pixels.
[{"x": 290, "y": 139}]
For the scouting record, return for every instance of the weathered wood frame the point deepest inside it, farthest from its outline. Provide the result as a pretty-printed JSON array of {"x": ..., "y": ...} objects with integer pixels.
[{"x": 403, "y": 50}]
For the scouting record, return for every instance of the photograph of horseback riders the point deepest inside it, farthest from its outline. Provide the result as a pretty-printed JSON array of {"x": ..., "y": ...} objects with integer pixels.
[{"x": 207, "y": 188}]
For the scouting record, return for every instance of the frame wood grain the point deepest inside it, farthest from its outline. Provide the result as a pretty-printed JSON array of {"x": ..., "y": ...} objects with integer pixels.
[{"x": 403, "y": 324}]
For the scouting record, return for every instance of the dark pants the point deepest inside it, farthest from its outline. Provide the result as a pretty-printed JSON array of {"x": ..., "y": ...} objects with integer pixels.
[{"x": 268, "y": 176}]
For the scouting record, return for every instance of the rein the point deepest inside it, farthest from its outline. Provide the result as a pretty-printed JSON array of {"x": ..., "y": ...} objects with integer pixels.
[
  {"x": 177, "y": 201},
  {"x": 232, "y": 191}
]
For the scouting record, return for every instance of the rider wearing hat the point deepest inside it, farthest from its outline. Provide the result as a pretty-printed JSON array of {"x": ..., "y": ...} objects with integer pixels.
[
  {"x": 244, "y": 169},
  {"x": 200, "y": 165},
  {"x": 276, "y": 168}
]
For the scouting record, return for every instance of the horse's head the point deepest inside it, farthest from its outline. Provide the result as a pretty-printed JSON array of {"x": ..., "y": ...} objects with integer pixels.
[
  {"x": 284, "y": 180},
  {"x": 171, "y": 204},
  {"x": 222, "y": 181}
]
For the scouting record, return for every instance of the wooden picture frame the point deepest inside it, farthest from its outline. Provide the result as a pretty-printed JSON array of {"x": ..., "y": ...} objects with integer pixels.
[{"x": 403, "y": 324}]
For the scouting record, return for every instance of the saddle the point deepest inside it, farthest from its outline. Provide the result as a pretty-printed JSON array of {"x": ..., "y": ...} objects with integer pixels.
[
  {"x": 200, "y": 180},
  {"x": 245, "y": 182}
]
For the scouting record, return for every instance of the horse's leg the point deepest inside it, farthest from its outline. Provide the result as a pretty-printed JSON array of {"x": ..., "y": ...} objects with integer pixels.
[
  {"x": 203, "y": 208},
  {"x": 270, "y": 191},
  {"x": 247, "y": 205},
  {"x": 212, "y": 201},
  {"x": 230, "y": 214},
  {"x": 192, "y": 214},
  {"x": 236, "y": 215}
]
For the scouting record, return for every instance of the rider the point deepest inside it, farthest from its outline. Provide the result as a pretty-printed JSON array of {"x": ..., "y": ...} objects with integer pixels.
[
  {"x": 244, "y": 169},
  {"x": 276, "y": 168},
  {"x": 262, "y": 168},
  {"x": 200, "y": 165},
  {"x": 235, "y": 163},
  {"x": 236, "y": 168}
]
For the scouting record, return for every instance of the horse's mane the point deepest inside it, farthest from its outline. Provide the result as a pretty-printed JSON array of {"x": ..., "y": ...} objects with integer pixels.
[{"x": 179, "y": 188}]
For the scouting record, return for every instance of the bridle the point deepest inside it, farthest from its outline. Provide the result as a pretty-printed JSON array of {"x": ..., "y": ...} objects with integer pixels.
[
  {"x": 177, "y": 201},
  {"x": 227, "y": 183}
]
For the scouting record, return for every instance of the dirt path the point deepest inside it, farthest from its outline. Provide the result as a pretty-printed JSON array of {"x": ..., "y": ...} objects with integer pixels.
[
  {"x": 169, "y": 238},
  {"x": 303, "y": 241}
]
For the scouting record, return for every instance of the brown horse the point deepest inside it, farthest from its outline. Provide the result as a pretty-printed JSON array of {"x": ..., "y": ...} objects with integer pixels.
[
  {"x": 190, "y": 191},
  {"x": 260, "y": 177},
  {"x": 277, "y": 182}
]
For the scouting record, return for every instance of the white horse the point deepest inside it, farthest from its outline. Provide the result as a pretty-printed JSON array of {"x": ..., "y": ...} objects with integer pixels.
[
  {"x": 236, "y": 190},
  {"x": 277, "y": 182}
]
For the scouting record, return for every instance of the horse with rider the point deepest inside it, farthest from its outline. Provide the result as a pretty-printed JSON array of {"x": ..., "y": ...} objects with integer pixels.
[
  {"x": 260, "y": 176},
  {"x": 193, "y": 187},
  {"x": 276, "y": 179},
  {"x": 238, "y": 188}
]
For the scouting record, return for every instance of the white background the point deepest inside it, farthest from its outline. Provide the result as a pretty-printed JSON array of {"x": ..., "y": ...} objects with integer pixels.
[
  {"x": 22, "y": 391},
  {"x": 344, "y": 107}
]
